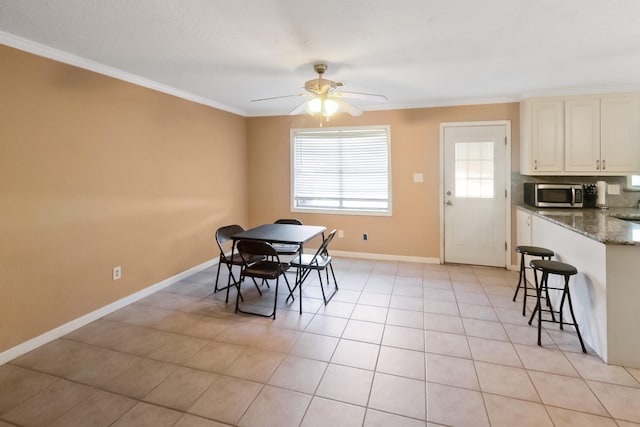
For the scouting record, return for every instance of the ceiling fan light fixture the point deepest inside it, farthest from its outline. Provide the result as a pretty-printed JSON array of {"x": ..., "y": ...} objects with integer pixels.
[{"x": 325, "y": 106}]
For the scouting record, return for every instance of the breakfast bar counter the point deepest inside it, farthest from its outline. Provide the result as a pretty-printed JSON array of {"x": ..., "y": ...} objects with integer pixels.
[
  {"x": 609, "y": 226},
  {"x": 606, "y": 291}
]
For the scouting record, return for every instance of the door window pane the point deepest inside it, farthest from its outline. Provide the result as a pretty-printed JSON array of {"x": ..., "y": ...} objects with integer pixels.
[{"x": 474, "y": 169}]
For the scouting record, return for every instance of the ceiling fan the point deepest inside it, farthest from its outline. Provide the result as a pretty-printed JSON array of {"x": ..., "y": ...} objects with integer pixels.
[{"x": 323, "y": 98}]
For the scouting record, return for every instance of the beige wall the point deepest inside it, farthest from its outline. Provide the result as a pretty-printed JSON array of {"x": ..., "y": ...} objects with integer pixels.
[
  {"x": 96, "y": 172},
  {"x": 413, "y": 230}
]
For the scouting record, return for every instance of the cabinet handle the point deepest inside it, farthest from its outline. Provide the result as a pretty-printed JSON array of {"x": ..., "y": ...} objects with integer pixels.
[
  {"x": 604, "y": 165},
  {"x": 535, "y": 165},
  {"x": 597, "y": 165}
]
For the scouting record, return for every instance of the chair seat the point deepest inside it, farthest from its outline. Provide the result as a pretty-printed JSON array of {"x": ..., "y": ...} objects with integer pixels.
[
  {"x": 553, "y": 267},
  {"x": 266, "y": 269},
  {"x": 534, "y": 251},
  {"x": 286, "y": 249},
  {"x": 236, "y": 259},
  {"x": 306, "y": 260}
]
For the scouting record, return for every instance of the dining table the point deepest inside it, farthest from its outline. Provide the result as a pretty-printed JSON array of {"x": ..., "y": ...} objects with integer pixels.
[
  {"x": 281, "y": 233},
  {"x": 290, "y": 234}
]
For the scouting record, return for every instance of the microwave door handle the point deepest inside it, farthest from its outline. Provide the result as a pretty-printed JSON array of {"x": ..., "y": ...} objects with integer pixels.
[{"x": 573, "y": 196}]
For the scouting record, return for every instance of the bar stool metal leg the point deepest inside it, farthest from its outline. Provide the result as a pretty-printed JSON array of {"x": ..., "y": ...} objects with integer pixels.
[
  {"x": 533, "y": 251},
  {"x": 537, "y": 308},
  {"x": 566, "y": 293},
  {"x": 521, "y": 279},
  {"x": 547, "y": 267}
]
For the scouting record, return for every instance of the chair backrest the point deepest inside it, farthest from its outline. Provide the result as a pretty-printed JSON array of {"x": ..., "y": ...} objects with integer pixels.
[
  {"x": 223, "y": 234},
  {"x": 322, "y": 250},
  {"x": 248, "y": 248},
  {"x": 288, "y": 221}
]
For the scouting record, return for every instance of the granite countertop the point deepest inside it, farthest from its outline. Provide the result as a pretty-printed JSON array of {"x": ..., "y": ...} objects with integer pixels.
[{"x": 613, "y": 226}]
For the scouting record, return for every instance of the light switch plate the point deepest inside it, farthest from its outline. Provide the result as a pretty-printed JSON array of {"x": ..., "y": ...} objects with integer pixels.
[
  {"x": 418, "y": 177},
  {"x": 613, "y": 189}
]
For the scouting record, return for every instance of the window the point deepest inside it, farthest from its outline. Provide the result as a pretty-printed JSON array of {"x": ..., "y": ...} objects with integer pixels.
[
  {"x": 341, "y": 170},
  {"x": 633, "y": 182}
]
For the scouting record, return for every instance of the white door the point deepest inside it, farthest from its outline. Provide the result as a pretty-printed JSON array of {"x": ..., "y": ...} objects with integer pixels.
[{"x": 475, "y": 198}]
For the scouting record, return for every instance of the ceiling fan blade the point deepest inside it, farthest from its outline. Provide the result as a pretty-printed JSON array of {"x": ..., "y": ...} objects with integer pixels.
[
  {"x": 348, "y": 108},
  {"x": 299, "y": 108},
  {"x": 361, "y": 95},
  {"x": 278, "y": 97}
]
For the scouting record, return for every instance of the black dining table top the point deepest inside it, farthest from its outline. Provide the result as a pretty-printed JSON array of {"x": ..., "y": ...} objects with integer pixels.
[{"x": 281, "y": 233}]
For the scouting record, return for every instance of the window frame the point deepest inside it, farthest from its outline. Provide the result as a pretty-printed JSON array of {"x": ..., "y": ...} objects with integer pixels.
[
  {"x": 340, "y": 211},
  {"x": 630, "y": 185}
]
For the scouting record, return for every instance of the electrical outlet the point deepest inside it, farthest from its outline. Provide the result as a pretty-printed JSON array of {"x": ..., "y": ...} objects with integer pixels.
[
  {"x": 613, "y": 188},
  {"x": 117, "y": 272},
  {"x": 365, "y": 236},
  {"x": 340, "y": 234}
]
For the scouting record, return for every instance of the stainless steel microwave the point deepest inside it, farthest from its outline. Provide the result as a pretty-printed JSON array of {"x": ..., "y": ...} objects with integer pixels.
[{"x": 553, "y": 195}]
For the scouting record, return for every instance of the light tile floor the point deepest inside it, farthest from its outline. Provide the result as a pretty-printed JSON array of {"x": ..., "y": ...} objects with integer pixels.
[{"x": 400, "y": 345}]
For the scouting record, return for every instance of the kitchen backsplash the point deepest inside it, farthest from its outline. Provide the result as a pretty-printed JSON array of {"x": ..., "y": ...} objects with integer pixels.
[{"x": 626, "y": 199}]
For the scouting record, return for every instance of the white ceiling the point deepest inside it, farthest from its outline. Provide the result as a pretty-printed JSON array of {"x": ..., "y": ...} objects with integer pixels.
[{"x": 416, "y": 52}]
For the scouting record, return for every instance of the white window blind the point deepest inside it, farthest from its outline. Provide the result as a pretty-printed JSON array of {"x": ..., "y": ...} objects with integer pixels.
[{"x": 341, "y": 169}]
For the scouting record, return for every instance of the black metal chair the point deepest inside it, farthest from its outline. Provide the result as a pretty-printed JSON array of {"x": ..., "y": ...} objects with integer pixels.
[
  {"x": 321, "y": 260},
  {"x": 269, "y": 268},
  {"x": 284, "y": 248},
  {"x": 547, "y": 267},
  {"x": 223, "y": 239}
]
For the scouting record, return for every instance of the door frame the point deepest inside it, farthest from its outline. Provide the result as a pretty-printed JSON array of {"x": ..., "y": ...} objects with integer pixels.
[{"x": 507, "y": 175}]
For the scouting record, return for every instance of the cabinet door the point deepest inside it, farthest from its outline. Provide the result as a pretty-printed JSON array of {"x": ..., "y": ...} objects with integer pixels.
[
  {"x": 582, "y": 135},
  {"x": 547, "y": 140},
  {"x": 523, "y": 237},
  {"x": 620, "y": 134},
  {"x": 523, "y": 220}
]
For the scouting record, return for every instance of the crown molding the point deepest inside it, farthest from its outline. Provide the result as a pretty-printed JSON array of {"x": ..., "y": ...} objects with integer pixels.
[
  {"x": 595, "y": 90},
  {"x": 87, "y": 64}
]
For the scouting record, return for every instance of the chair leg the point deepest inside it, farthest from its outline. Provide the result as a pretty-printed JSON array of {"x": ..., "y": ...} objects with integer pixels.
[
  {"x": 335, "y": 284},
  {"x": 238, "y": 295},
  {"x": 299, "y": 295},
  {"x": 324, "y": 298},
  {"x": 258, "y": 286},
  {"x": 275, "y": 298},
  {"x": 215, "y": 287},
  {"x": 226, "y": 300}
]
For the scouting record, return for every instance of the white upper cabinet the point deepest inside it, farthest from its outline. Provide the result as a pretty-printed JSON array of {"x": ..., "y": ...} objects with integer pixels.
[
  {"x": 620, "y": 133},
  {"x": 580, "y": 135},
  {"x": 541, "y": 136}
]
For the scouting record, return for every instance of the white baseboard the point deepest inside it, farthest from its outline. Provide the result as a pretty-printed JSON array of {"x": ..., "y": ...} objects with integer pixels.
[
  {"x": 71, "y": 326},
  {"x": 386, "y": 257},
  {"x": 60, "y": 331}
]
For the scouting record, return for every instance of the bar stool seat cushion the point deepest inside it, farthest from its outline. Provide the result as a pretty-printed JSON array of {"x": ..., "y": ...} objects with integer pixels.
[
  {"x": 534, "y": 251},
  {"x": 553, "y": 267}
]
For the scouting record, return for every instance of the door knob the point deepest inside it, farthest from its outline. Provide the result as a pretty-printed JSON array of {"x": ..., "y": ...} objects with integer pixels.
[{"x": 449, "y": 203}]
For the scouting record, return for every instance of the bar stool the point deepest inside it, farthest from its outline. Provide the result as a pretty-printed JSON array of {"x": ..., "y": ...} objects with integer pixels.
[
  {"x": 531, "y": 251},
  {"x": 562, "y": 269}
]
